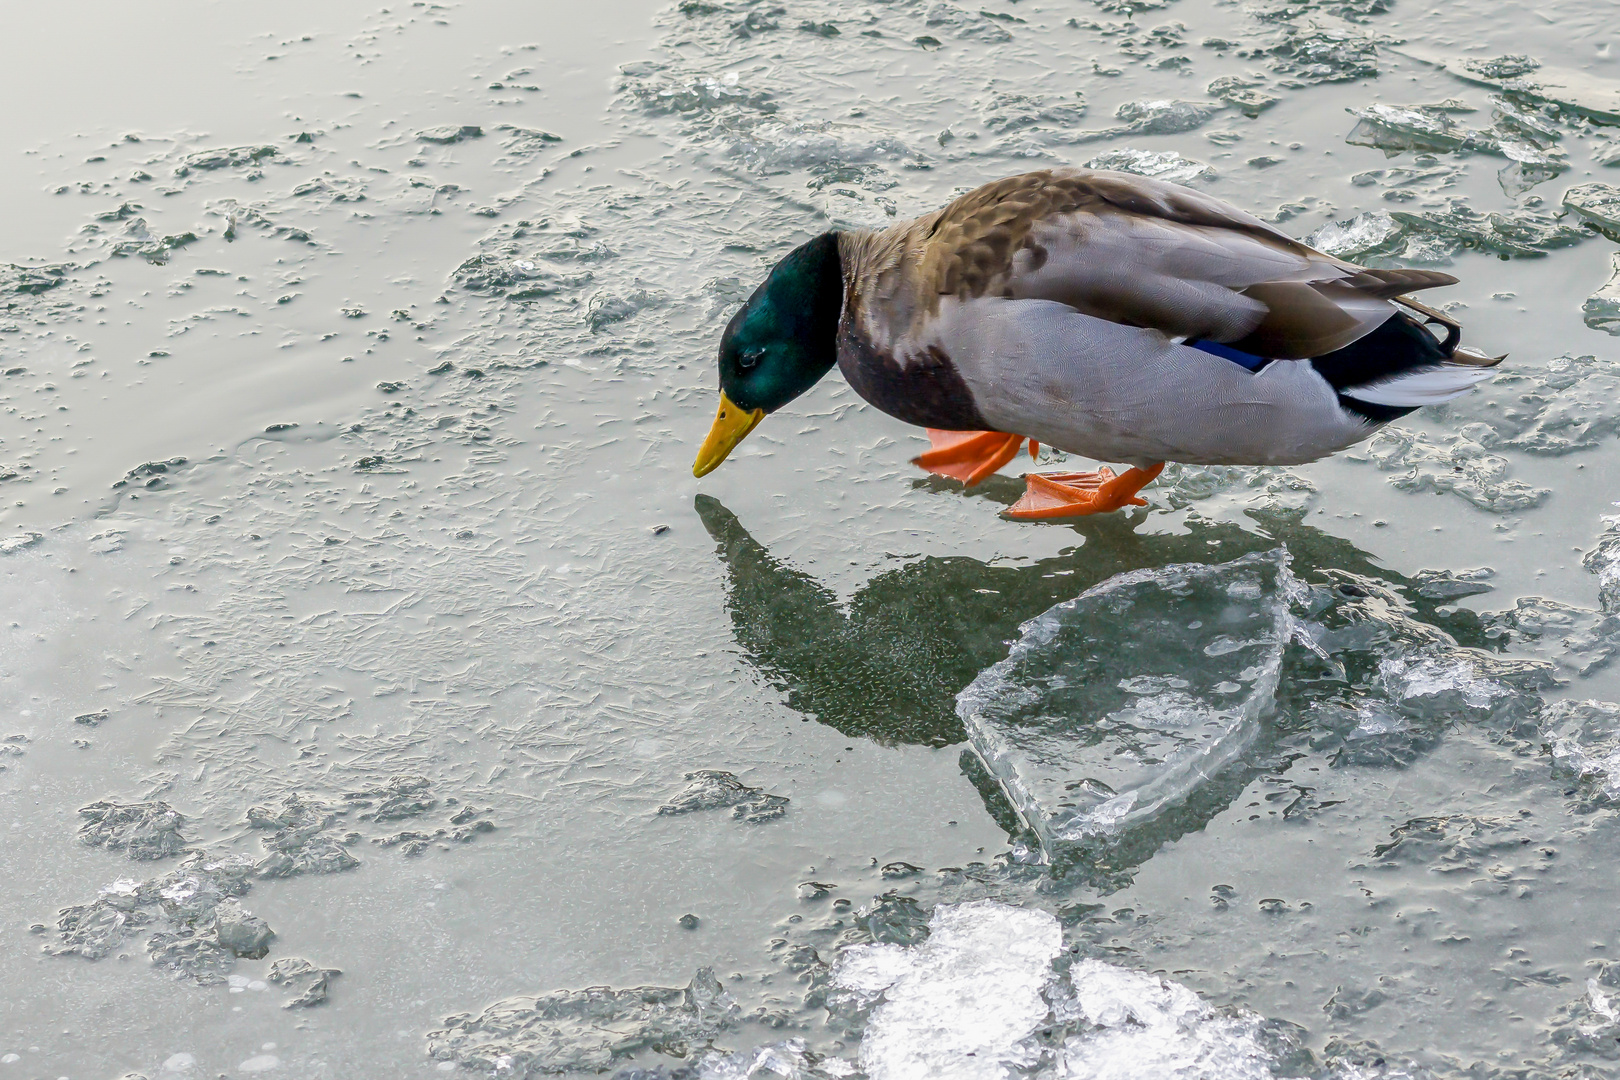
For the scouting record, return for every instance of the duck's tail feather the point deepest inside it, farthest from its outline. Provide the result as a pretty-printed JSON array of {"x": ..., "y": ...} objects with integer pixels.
[{"x": 1421, "y": 386}]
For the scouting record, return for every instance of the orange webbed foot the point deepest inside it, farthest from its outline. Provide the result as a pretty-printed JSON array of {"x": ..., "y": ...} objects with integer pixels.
[
  {"x": 968, "y": 456},
  {"x": 1057, "y": 495}
]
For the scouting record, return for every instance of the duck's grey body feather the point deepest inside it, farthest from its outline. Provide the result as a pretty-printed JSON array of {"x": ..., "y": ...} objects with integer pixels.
[
  {"x": 1124, "y": 393},
  {"x": 1059, "y": 299}
]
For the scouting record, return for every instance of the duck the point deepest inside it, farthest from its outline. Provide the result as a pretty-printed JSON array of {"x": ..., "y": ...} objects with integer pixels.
[{"x": 1112, "y": 316}]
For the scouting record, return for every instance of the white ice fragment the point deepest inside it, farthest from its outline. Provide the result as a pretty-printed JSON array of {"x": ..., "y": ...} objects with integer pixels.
[
  {"x": 1600, "y": 1001},
  {"x": 122, "y": 887},
  {"x": 1429, "y": 676},
  {"x": 1148, "y": 1028},
  {"x": 10, "y": 1059},
  {"x": 969, "y": 998},
  {"x": 871, "y": 969},
  {"x": 180, "y": 891},
  {"x": 178, "y": 1062},
  {"x": 1371, "y": 720},
  {"x": 12, "y": 544},
  {"x": 259, "y": 1063}
]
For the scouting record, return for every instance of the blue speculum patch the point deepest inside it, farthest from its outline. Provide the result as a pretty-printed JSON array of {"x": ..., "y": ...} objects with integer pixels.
[{"x": 1237, "y": 356}]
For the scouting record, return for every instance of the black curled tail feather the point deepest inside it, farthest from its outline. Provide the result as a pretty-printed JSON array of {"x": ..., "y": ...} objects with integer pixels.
[{"x": 1398, "y": 345}]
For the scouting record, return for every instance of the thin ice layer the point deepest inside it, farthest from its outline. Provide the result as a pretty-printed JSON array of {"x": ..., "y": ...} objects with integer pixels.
[{"x": 1124, "y": 701}]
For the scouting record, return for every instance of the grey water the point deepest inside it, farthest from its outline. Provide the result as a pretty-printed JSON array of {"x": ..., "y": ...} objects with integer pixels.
[{"x": 381, "y": 696}]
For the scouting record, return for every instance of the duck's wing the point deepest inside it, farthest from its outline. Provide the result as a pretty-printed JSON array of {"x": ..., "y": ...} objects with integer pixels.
[{"x": 1142, "y": 252}]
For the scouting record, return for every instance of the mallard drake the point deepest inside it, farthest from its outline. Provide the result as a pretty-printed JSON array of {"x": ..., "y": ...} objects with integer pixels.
[{"x": 1105, "y": 314}]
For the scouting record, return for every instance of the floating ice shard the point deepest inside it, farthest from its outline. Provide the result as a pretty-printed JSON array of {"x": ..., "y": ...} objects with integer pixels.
[
  {"x": 1400, "y": 127},
  {"x": 226, "y": 157},
  {"x": 1577, "y": 638},
  {"x": 1598, "y": 204},
  {"x": 1577, "y": 91},
  {"x": 572, "y": 1031},
  {"x": 1585, "y": 741},
  {"x": 1446, "y": 585},
  {"x": 312, "y": 983},
  {"x": 1169, "y": 165},
  {"x": 1602, "y": 309},
  {"x": 1518, "y": 233},
  {"x": 1165, "y": 117},
  {"x": 965, "y": 1003},
  {"x": 711, "y": 789},
  {"x": 449, "y": 133},
  {"x": 1242, "y": 94},
  {"x": 1371, "y": 233},
  {"x": 787, "y": 1060},
  {"x": 148, "y": 830},
  {"x": 1154, "y": 118},
  {"x": 1324, "y": 54},
  {"x": 1124, "y": 701},
  {"x": 1589, "y": 1026},
  {"x": 1604, "y": 561}
]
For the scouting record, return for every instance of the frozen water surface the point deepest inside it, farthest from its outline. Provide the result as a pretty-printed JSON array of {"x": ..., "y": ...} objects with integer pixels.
[{"x": 362, "y": 613}]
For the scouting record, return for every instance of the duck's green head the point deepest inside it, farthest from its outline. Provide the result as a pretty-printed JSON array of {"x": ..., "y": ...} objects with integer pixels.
[{"x": 778, "y": 345}]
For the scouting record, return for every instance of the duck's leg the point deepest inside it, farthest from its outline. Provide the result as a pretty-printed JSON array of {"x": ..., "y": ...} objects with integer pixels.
[
  {"x": 968, "y": 456},
  {"x": 1058, "y": 495}
]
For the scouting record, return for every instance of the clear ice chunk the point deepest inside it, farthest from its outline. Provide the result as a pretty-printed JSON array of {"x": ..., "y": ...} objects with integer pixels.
[
  {"x": 588, "y": 1030},
  {"x": 1604, "y": 561},
  {"x": 711, "y": 789},
  {"x": 1320, "y": 54},
  {"x": 1598, "y": 204},
  {"x": 1585, "y": 741},
  {"x": 788, "y": 1060},
  {"x": 1123, "y": 702},
  {"x": 1168, "y": 166},
  {"x": 1602, "y": 309},
  {"x": 1395, "y": 128},
  {"x": 146, "y": 830},
  {"x": 1594, "y": 97},
  {"x": 1155, "y": 118},
  {"x": 1372, "y": 233}
]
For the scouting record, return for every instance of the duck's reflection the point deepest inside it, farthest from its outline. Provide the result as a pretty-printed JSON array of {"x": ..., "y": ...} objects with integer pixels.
[{"x": 888, "y": 665}]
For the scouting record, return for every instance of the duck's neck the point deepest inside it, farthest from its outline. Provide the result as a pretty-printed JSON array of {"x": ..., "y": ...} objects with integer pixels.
[{"x": 819, "y": 281}]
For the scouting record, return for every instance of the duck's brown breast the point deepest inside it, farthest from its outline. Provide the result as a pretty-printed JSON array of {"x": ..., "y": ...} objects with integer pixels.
[{"x": 926, "y": 390}]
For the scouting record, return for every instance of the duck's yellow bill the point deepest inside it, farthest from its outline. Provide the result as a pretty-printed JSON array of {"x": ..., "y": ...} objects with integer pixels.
[{"x": 731, "y": 426}]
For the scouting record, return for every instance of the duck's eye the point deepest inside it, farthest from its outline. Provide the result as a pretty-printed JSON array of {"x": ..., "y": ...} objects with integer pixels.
[{"x": 749, "y": 358}]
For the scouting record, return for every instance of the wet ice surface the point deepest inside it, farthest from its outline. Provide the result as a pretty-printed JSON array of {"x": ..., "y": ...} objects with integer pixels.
[{"x": 347, "y": 449}]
